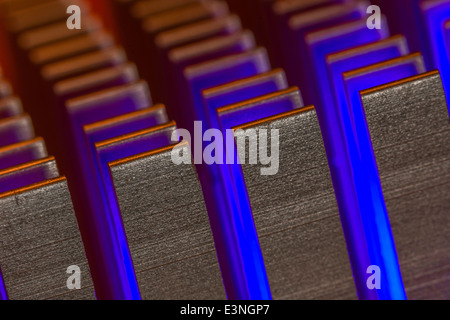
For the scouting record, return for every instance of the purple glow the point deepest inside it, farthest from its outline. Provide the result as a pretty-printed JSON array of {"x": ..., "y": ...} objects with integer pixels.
[
  {"x": 375, "y": 219},
  {"x": 235, "y": 237}
]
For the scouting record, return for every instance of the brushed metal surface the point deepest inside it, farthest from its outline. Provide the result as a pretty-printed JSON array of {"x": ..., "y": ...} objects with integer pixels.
[
  {"x": 247, "y": 88},
  {"x": 27, "y": 174},
  {"x": 212, "y": 73},
  {"x": 22, "y": 152},
  {"x": 167, "y": 228},
  {"x": 39, "y": 241},
  {"x": 410, "y": 130},
  {"x": 296, "y": 215},
  {"x": 78, "y": 168},
  {"x": 125, "y": 124},
  {"x": 260, "y": 107}
]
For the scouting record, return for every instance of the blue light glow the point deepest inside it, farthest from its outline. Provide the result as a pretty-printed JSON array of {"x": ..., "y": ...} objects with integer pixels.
[
  {"x": 436, "y": 14},
  {"x": 104, "y": 189},
  {"x": 235, "y": 236},
  {"x": 233, "y": 172},
  {"x": 258, "y": 111},
  {"x": 19, "y": 179},
  {"x": 368, "y": 186},
  {"x": 3, "y": 293},
  {"x": 296, "y": 53},
  {"x": 119, "y": 150},
  {"x": 253, "y": 87},
  {"x": 321, "y": 44},
  {"x": 339, "y": 146},
  {"x": 91, "y": 198}
]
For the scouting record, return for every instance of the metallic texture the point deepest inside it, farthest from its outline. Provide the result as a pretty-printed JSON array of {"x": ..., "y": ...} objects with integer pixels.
[
  {"x": 125, "y": 124},
  {"x": 435, "y": 14},
  {"x": 22, "y": 152},
  {"x": 243, "y": 89},
  {"x": 167, "y": 227},
  {"x": 113, "y": 245},
  {"x": 337, "y": 145},
  {"x": 27, "y": 174},
  {"x": 115, "y": 149},
  {"x": 410, "y": 130},
  {"x": 243, "y": 273},
  {"x": 186, "y": 35},
  {"x": 206, "y": 50},
  {"x": 364, "y": 181},
  {"x": 260, "y": 107},
  {"x": 226, "y": 184},
  {"x": 150, "y": 26},
  {"x": 217, "y": 72},
  {"x": 324, "y": 42},
  {"x": 93, "y": 219},
  {"x": 355, "y": 58},
  {"x": 296, "y": 215},
  {"x": 314, "y": 34},
  {"x": 40, "y": 240}
]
